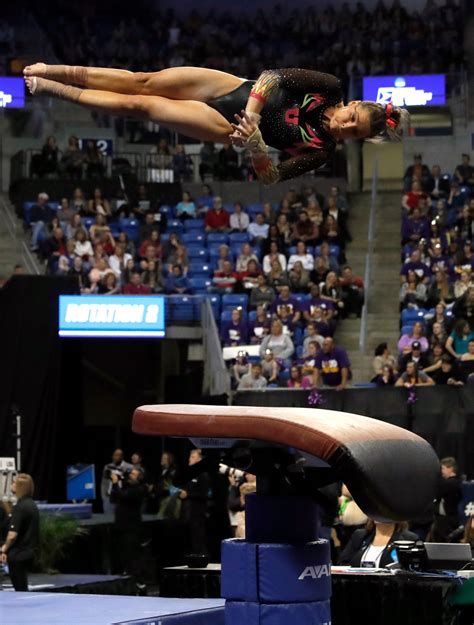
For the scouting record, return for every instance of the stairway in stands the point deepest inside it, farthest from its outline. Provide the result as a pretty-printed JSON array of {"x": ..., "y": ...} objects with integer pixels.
[{"x": 13, "y": 243}]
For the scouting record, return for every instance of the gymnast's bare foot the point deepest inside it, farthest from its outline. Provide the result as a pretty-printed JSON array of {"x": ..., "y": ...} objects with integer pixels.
[{"x": 37, "y": 69}]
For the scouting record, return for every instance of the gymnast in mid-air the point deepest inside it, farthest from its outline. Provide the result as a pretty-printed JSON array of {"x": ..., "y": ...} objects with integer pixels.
[{"x": 300, "y": 112}]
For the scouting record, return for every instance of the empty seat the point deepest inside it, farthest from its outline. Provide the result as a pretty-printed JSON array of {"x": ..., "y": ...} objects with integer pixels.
[
  {"x": 180, "y": 308},
  {"x": 217, "y": 237},
  {"x": 198, "y": 269},
  {"x": 193, "y": 236},
  {"x": 194, "y": 224},
  {"x": 239, "y": 237},
  {"x": 175, "y": 225},
  {"x": 200, "y": 285},
  {"x": 234, "y": 300},
  {"x": 197, "y": 252}
]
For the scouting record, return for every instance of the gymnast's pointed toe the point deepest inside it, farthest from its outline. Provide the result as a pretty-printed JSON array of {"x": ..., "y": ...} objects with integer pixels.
[{"x": 37, "y": 69}]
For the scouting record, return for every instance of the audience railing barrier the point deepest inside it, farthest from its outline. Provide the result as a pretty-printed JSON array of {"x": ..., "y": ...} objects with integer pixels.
[
  {"x": 442, "y": 414},
  {"x": 216, "y": 378},
  {"x": 369, "y": 259}
]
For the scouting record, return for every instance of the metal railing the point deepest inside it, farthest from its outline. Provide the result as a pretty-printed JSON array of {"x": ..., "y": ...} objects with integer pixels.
[
  {"x": 369, "y": 258},
  {"x": 216, "y": 378}
]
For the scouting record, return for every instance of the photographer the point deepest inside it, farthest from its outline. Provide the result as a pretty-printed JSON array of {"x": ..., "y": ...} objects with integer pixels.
[
  {"x": 128, "y": 494},
  {"x": 118, "y": 466},
  {"x": 23, "y": 533},
  {"x": 194, "y": 498}
]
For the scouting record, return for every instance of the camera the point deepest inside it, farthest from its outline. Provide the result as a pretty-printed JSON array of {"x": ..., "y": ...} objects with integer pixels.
[
  {"x": 229, "y": 471},
  {"x": 118, "y": 472}
]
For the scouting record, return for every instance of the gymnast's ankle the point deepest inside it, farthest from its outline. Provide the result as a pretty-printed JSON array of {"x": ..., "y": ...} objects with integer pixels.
[
  {"x": 38, "y": 86},
  {"x": 69, "y": 74}
]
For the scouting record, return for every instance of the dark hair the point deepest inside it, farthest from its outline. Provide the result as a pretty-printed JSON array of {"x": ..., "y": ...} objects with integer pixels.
[
  {"x": 459, "y": 326},
  {"x": 380, "y": 129},
  {"x": 400, "y": 526},
  {"x": 381, "y": 347}
]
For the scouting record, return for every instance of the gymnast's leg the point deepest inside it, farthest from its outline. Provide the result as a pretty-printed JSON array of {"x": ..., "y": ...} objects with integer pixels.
[
  {"x": 188, "y": 117},
  {"x": 176, "y": 83}
]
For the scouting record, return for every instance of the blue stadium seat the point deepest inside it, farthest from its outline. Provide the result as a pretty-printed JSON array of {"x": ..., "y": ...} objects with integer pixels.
[
  {"x": 197, "y": 252},
  {"x": 200, "y": 285},
  {"x": 298, "y": 336},
  {"x": 238, "y": 237},
  {"x": 27, "y": 206},
  {"x": 175, "y": 225},
  {"x": 215, "y": 301},
  {"x": 252, "y": 316},
  {"x": 334, "y": 250},
  {"x": 407, "y": 328},
  {"x": 409, "y": 316},
  {"x": 167, "y": 210},
  {"x": 226, "y": 315},
  {"x": 180, "y": 308},
  {"x": 131, "y": 228},
  {"x": 283, "y": 377},
  {"x": 165, "y": 237},
  {"x": 217, "y": 237},
  {"x": 194, "y": 236},
  {"x": 232, "y": 300},
  {"x": 114, "y": 229},
  {"x": 302, "y": 297},
  {"x": 253, "y": 209},
  {"x": 198, "y": 269},
  {"x": 194, "y": 224},
  {"x": 88, "y": 221},
  {"x": 299, "y": 351}
]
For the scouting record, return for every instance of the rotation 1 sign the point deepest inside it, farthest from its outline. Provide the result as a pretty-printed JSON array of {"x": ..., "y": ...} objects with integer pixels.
[
  {"x": 422, "y": 90},
  {"x": 131, "y": 316},
  {"x": 12, "y": 92}
]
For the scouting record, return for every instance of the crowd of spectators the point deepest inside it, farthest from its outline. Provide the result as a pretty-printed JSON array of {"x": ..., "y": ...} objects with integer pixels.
[
  {"x": 280, "y": 270},
  {"x": 348, "y": 41},
  {"x": 437, "y": 280}
]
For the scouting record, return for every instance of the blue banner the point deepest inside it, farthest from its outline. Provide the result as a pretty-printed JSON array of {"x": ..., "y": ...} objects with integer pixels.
[
  {"x": 80, "y": 482},
  {"x": 112, "y": 316},
  {"x": 422, "y": 90},
  {"x": 12, "y": 92}
]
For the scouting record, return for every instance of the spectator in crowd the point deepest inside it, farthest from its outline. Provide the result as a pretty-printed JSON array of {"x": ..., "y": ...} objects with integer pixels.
[
  {"x": 331, "y": 291},
  {"x": 258, "y": 229},
  {"x": 464, "y": 173},
  {"x": 72, "y": 161},
  {"x": 301, "y": 255},
  {"x": 45, "y": 164},
  {"x": 412, "y": 292},
  {"x": 262, "y": 294},
  {"x": 413, "y": 377},
  {"x": 352, "y": 292},
  {"x": 448, "y": 497},
  {"x": 253, "y": 380},
  {"x": 235, "y": 332},
  {"x": 308, "y": 360},
  {"x": 277, "y": 277},
  {"x": 383, "y": 357},
  {"x": 225, "y": 280},
  {"x": 260, "y": 326},
  {"x": 41, "y": 215},
  {"x": 269, "y": 214},
  {"x": 305, "y": 230},
  {"x": 281, "y": 344},
  {"x": 332, "y": 367},
  {"x": 217, "y": 218},
  {"x": 312, "y": 336},
  {"x": 78, "y": 201},
  {"x": 458, "y": 341},
  {"x": 406, "y": 340},
  {"x": 284, "y": 229},
  {"x": 440, "y": 290},
  {"x": 176, "y": 283},
  {"x": 414, "y": 263},
  {"x": 246, "y": 255},
  {"x": 415, "y": 227},
  {"x": 285, "y": 299},
  {"x": 150, "y": 225},
  {"x": 466, "y": 362},
  {"x": 181, "y": 163},
  {"x": 299, "y": 278},
  {"x": 245, "y": 489},
  {"x": 239, "y": 220},
  {"x": 186, "y": 209},
  {"x": 418, "y": 172},
  {"x": 297, "y": 379},
  {"x": 119, "y": 260},
  {"x": 94, "y": 161},
  {"x": 206, "y": 199},
  {"x": 154, "y": 243},
  {"x": 274, "y": 253},
  {"x": 437, "y": 352},
  {"x": 437, "y": 185},
  {"x": 54, "y": 247},
  {"x": 179, "y": 256},
  {"x": 438, "y": 335},
  {"x": 464, "y": 307},
  {"x": 421, "y": 359},
  {"x": 152, "y": 275},
  {"x": 270, "y": 367},
  {"x": 448, "y": 373},
  {"x": 135, "y": 286},
  {"x": 386, "y": 377},
  {"x": 110, "y": 285},
  {"x": 169, "y": 503},
  {"x": 65, "y": 213},
  {"x": 99, "y": 204},
  {"x": 240, "y": 367},
  {"x": 412, "y": 198}
]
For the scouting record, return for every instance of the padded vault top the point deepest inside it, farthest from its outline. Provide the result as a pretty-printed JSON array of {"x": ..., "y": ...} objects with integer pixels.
[{"x": 391, "y": 472}]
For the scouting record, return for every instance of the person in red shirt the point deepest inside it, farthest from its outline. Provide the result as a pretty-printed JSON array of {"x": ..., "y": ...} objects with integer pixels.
[
  {"x": 217, "y": 219},
  {"x": 352, "y": 291},
  {"x": 412, "y": 198},
  {"x": 224, "y": 281},
  {"x": 135, "y": 286}
]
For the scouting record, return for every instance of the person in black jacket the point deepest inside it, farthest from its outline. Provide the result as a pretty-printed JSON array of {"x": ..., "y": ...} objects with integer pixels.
[
  {"x": 194, "y": 511},
  {"x": 22, "y": 540},
  {"x": 128, "y": 495},
  {"x": 446, "y": 506},
  {"x": 372, "y": 547}
]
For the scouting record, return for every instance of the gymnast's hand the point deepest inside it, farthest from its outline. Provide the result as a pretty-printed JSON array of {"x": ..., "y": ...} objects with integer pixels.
[{"x": 247, "y": 124}]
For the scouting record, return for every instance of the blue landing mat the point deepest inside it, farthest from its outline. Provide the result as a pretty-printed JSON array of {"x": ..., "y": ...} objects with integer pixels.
[{"x": 20, "y": 608}]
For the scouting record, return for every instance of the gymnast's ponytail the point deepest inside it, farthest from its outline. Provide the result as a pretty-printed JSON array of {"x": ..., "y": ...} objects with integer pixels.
[{"x": 387, "y": 122}]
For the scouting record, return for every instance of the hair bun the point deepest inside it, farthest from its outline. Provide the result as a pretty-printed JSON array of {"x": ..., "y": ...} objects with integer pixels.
[{"x": 401, "y": 117}]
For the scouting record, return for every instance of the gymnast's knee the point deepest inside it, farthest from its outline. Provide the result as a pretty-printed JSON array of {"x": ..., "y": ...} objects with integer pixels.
[{"x": 139, "y": 105}]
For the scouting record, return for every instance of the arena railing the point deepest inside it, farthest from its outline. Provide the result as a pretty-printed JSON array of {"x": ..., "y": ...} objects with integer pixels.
[
  {"x": 369, "y": 259},
  {"x": 216, "y": 378}
]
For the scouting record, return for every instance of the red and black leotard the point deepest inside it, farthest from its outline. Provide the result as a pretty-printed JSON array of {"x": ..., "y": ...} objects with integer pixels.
[{"x": 292, "y": 116}]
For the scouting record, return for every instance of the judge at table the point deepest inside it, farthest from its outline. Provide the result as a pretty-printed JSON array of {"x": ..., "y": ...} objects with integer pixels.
[{"x": 372, "y": 547}]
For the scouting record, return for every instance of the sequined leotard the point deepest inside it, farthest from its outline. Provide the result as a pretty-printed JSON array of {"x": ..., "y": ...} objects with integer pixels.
[{"x": 292, "y": 116}]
